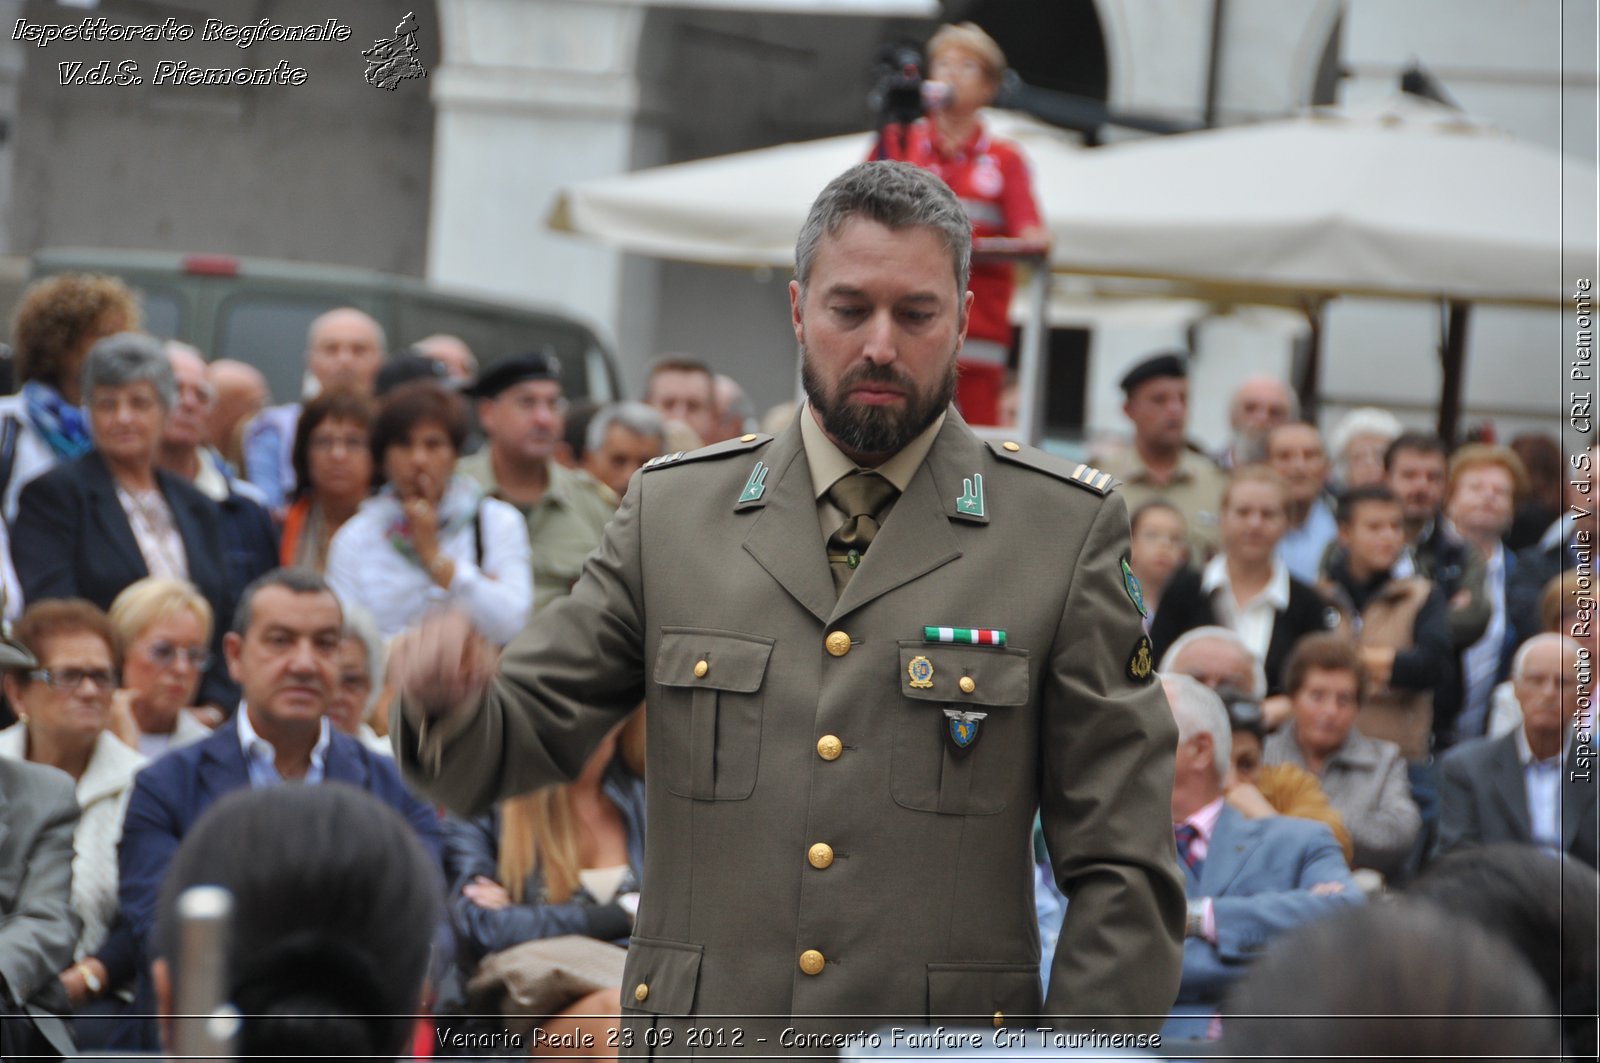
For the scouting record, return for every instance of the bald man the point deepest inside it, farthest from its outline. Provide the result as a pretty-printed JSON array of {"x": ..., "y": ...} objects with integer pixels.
[
  {"x": 249, "y": 541},
  {"x": 1260, "y": 404},
  {"x": 345, "y": 348},
  {"x": 451, "y": 352},
  {"x": 239, "y": 392}
]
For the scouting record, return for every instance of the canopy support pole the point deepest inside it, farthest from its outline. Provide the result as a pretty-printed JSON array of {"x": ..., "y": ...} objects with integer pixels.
[
  {"x": 1453, "y": 365},
  {"x": 1032, "y": 351},
  {"x": 1309, "y": 387}
]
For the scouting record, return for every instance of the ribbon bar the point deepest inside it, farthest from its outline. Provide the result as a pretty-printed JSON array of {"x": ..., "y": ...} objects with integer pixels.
[{"x": 971, "y": 636}]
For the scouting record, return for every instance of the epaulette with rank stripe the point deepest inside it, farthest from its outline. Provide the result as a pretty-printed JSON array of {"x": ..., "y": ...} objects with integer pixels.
[
  {"x": 737, "y": 445},
  {"x": 1092, "y": 478},
  {"x": 1085, "y": 476}
]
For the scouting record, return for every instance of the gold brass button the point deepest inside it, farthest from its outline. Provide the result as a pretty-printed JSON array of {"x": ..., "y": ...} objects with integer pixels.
[
  {"x": 1013, "y": 447},
  {"x": 837, "y": 643},
  {"x": 967, "y": 685},
  {"x": 700, "y": 669},
  {"x": 829, "y": 747},
  {"x": 820, "y": 855},
  {"x": 999, "y": 1019},
  {"x": 750, "y": 438},
  {"x": 641, "y": 991},
  {"x": 811, "y": 961}
]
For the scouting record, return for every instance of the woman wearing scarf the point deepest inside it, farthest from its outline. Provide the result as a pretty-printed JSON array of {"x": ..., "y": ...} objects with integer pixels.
[
  {"x": 42, "y": 425},
  {"x": 429, "y": 538}
]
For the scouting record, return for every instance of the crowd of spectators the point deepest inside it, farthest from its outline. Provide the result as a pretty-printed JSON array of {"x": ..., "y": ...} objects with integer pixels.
[
  {"x": 1400, "y": 627},
  {"x": 1372, "y": 649}
]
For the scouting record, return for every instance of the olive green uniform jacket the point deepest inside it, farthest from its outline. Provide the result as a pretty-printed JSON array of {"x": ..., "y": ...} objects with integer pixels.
[
  {"x": 711, "y": 596},
  {"x": 563, "y": 527}
]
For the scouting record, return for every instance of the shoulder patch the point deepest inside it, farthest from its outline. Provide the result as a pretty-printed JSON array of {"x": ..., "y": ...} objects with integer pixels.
[
  {"x": 737, "y": 445},
  {"x": 1085, "y": 476}
]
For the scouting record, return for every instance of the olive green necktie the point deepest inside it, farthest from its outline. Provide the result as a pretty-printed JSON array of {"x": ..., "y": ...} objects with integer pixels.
[{"x": 865, "y": 498}]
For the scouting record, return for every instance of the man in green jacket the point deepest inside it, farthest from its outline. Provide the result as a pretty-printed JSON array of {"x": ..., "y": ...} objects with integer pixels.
[{"x": 871, "y": 648}]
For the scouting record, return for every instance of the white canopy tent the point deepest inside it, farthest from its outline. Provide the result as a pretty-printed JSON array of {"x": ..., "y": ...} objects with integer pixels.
[{"x": 1400, "y": 199}]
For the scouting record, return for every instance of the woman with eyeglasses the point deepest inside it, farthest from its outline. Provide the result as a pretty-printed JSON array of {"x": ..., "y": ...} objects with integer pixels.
[
  {"x": 63, "y": 707},
  {"x": 164, "y": 628},
  {"x": 332, "y": 472}
]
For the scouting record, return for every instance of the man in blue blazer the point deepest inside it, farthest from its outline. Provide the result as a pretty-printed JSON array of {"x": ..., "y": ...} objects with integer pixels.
[
  {"x": 1247, "y": 879},
  {"x": 283, "y": 652}
]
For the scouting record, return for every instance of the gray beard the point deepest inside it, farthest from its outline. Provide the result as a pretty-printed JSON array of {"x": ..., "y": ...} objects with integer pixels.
[{"x": 876, "y": 429}]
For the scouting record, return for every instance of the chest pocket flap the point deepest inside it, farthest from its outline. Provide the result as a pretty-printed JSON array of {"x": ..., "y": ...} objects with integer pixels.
[
  {"x": 712, "y": 660},
  {"x": 944, "y": 672},
  {"x": 707, "y": 722}
]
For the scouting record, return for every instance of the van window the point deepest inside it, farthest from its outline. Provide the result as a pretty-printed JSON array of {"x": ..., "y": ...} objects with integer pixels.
[
  {"x": 269, "y": 332},
  {"x": 162, "y": 311}
]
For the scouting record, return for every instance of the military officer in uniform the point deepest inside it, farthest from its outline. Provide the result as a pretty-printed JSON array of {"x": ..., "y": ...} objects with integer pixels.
[{"x": 871, "y": 647}]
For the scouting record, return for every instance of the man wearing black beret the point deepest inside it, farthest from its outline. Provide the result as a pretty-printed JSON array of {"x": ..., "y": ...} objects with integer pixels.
[
  {"x": 1160, "y": 464},
  {"x": 523, "y": 414}
]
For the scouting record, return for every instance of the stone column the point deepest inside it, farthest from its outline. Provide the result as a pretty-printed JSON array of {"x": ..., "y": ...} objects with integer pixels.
[{"x": 533, "y": 95}]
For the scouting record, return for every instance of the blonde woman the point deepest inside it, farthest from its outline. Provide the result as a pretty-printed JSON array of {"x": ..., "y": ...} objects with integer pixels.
[
  {"x": 561, "y": 860},
  {"x": 164, "y": 629}
]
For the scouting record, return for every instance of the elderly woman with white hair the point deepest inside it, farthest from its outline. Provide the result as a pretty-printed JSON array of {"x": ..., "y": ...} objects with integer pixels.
[
  {"x": 1358, "y": 443},
  {"x": 90, "y": 527},
  {"x": 360, "y": 685}
]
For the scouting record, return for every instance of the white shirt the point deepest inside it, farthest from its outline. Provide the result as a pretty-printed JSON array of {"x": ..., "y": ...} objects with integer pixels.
[
  {"x": 262, "y": 758},
  {"x": 187, "y": 731},
  {"x": 1542, "y": 778},
  {"x": 1253, "y": 621},
  {"x": 365, "y": 569}
]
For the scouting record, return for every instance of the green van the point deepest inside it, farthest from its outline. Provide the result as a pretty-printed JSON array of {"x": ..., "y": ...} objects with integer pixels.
[{"x": 257, "y": 310}]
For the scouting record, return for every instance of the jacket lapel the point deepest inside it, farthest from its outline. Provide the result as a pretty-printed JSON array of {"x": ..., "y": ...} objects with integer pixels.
[
  {"x": 1510, "y": 789},
  {"x": 222, "y": 765},
  {"x": 784, "y": 537},
  {"x": 916, "y": 537},
  {"x": 1230, "y": 844},
  {"x": 188, "y": 523},
  {"x": 106, "y": 511},
  {"x": 342, "y": 763}
]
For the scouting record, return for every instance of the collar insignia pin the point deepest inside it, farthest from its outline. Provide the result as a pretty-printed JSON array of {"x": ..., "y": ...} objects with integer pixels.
[
  {"x": 756, "y": 486},
  {"x": 970, "y": 501}
]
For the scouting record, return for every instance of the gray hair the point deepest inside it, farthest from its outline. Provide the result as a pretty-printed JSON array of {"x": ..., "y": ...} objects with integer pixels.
[
  {"x": 637, "y": 417},
  {"x": 1199, "y": 711},
  {"x": 360, "y": 625},
  {"x": 896, "y": 195},
  {"x": 129, "y": 358},
  {"x": 295, "y": 580},
  {"x": 1258, "y": 673},
  {"x": 1569, "y": 647},
  {"x": 1362, "y": 421}
]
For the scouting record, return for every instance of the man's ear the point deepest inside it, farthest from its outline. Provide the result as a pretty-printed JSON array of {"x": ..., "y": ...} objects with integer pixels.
[
  {"x": 796, "y": 305},
  {"x": 232, "y": 650}
]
